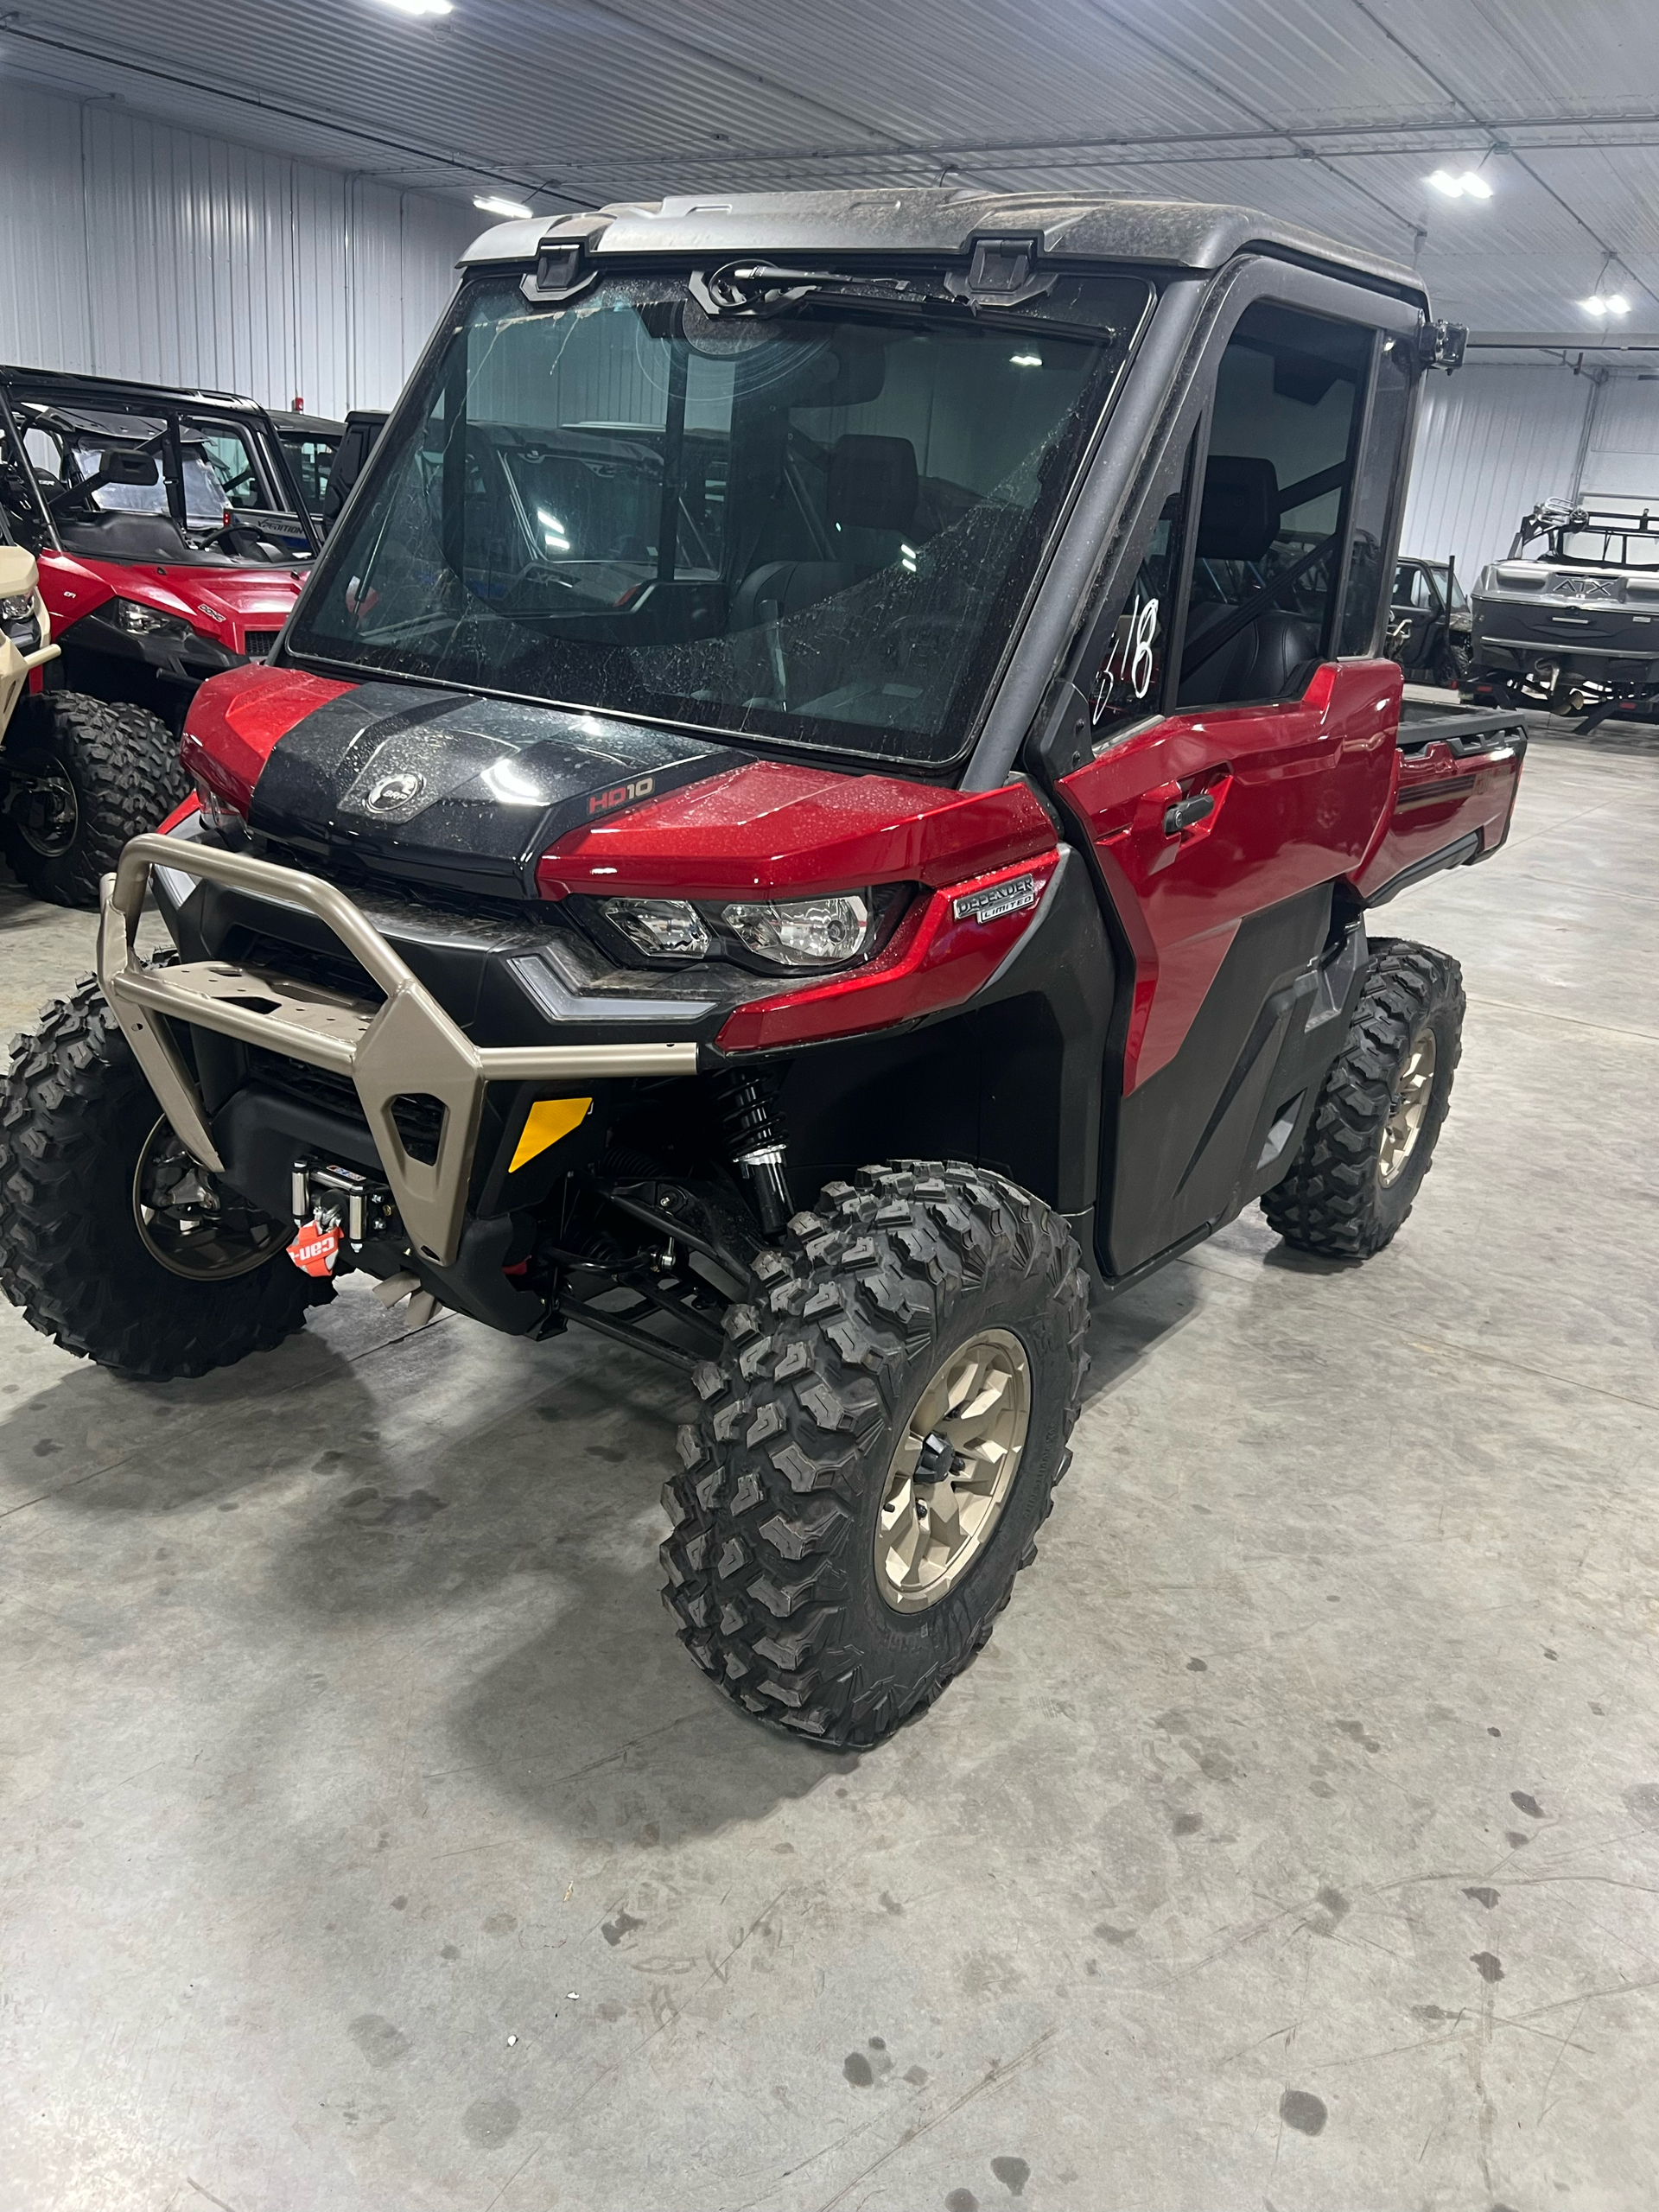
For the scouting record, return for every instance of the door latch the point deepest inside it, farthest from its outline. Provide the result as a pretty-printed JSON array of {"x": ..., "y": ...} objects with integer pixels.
[{"x": 1187, "y": 813}]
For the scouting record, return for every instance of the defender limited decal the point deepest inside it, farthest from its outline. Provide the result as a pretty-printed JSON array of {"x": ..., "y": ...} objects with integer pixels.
[{"x": 995, "y": 900}]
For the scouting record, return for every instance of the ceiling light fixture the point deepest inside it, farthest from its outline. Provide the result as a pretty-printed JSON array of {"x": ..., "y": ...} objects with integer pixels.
[
  {"x": 1465, "y": 183},
  {"x": 422, "y": 7},
  {"x": 492, "y": 204}
]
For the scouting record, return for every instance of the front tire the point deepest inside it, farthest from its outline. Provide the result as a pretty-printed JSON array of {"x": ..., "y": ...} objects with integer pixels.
[
  {"x": 913, "y": 1332},
  {"x": 1372, "y": 1137},
  {"x": 112, "y": 1241},
  {"x": 84, "y": 776}
]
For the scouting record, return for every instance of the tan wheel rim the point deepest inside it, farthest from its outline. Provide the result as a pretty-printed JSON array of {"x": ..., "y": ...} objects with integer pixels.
[
  {"x": 952, "y": 1469},
  {"x": 1405, "y": 1123}
]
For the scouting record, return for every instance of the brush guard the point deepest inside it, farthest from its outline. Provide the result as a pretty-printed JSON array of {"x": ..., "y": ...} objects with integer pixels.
[{"x": 409, "y": 1045}]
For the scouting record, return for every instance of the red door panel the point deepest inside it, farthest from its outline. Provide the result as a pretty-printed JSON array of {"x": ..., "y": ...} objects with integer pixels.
[
  {"x": 1440, "y": 799},
  {"x": 1297, "y": 792}
]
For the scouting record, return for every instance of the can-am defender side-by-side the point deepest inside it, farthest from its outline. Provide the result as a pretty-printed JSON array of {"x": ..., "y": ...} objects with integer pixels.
[
  {"x": 172, "y": 542},
  {"x": 829, "y": 783},
  {"x": 310, "y": 444},
  {"x": 1574, "y": 625},
  {"x": 74, "y": 781},
  {"x": 1429, "y": 622}
]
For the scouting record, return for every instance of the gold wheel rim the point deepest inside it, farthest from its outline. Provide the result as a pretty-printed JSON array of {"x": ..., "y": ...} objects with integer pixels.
[
  {"x": 1409, "y": 1110},
  {"x": 952, "y": 1471}
]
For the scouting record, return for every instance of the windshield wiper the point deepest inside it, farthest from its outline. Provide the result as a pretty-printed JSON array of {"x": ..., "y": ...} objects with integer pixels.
[{"x": 763, "y": 287}]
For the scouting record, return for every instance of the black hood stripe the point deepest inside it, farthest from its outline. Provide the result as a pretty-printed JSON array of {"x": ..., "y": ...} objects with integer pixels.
[{"x": 466, "y": 790}]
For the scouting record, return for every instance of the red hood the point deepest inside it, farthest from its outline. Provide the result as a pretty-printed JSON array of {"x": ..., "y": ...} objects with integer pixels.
[{"x": 219, "y": 603}]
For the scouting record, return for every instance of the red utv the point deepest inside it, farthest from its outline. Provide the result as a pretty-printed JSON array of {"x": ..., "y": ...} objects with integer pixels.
[
  {"x": 826, "y": 803},
  {"x": 171, "y": 541}
]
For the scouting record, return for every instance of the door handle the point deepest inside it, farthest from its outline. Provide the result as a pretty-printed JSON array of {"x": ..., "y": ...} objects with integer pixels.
[{"x": 1187, "y": 813}]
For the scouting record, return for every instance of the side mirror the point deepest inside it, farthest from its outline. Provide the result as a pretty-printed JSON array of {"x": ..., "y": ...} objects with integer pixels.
[{"x": 129, "y": 468}]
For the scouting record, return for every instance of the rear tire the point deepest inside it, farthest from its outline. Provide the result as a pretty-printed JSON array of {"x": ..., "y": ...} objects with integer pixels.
[
  {"x": 85, "y": 776},
  {"x": 1372, "y": 1137},
  {"x": 76, "y": 1118},
  {"x": 784, "y": 1568}
]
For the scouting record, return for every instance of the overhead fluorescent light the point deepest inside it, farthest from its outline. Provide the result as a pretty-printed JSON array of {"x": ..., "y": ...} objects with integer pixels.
[
  {"x": 1461, "y": 184},
  {"x": 1594, "y": 305},
  {"x": 492, "y": 204},
  {"x": 422, "y": 7},
  {"x": 1026, "y": 360},
  {"x": 1617, "y": 304},
  {"x": 1601, "y": 303}
]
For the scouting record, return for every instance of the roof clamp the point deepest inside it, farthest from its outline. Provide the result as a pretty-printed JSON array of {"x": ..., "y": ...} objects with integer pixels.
[
  {"x": 1439, "y": 345},
  {"x": 563, "y": 270},
  {"x": 1001, "y": 274}
]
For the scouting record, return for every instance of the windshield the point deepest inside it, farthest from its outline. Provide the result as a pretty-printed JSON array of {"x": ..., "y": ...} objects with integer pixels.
[
  {"x": 1604, "y": 549},
  {"x": 816, "y": 525},
  {"x": 175, "y": 488}
]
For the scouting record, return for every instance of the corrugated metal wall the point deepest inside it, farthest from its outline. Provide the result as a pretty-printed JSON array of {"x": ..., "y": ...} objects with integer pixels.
[
  {"x": 134, "y": 249},
  {"x": 1491, "y": 442},
  {"x": 1494, "y": 440},
  {"x": 1623, "y": 449}
]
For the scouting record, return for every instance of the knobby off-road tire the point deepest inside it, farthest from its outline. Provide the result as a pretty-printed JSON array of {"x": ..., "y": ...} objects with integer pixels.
[
  {"x": 772, "y": 1567},
  {"x": 85, "y": 777},
  {"x": 75, "y": 1115},
  {"x": 1356, "y": 1177}
]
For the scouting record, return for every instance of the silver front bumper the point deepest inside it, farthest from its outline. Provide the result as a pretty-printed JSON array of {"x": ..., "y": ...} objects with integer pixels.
[{"x": 408, "y": 1044}]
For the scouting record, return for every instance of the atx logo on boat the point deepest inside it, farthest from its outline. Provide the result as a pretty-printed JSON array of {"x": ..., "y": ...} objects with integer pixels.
[{"x": 620, "y": 794}]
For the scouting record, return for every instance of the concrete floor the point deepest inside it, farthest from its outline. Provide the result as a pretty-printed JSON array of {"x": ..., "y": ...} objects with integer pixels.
[{"x": 370, "y": 1845}]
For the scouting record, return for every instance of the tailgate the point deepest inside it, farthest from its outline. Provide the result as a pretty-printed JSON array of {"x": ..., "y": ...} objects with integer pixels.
[{"x": 1453, "y": 799}]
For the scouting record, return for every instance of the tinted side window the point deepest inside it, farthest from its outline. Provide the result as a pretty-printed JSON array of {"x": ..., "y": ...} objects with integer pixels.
[
  {"x": 1123, "y": 673},
  {"x": 1272, "y": 513},
  {"x": 1377, "y": 491}
]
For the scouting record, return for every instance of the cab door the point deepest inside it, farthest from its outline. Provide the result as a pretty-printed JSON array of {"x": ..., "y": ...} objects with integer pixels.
[{"x": 1224, "y": 815}]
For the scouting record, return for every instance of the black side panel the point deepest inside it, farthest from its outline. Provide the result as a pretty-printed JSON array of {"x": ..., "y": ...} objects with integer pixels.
[{"x": 1182, "y": 1145}]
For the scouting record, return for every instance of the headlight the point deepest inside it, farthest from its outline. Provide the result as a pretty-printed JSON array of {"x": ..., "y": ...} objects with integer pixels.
[
  {"x": 20, "y": 622},
  {"x": 663, "y": 929},
  {"x": 796, "y": 933},
  {"x": 144, "y": 621},
  {"x": 802, "y": 932}
]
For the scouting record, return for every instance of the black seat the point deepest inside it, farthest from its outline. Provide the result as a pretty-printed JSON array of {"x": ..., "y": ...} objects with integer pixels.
[
  {"x": 778, "y": 588},
  {"x": 1264, "y": 661},
  {"x": 1239, "y": 521}
]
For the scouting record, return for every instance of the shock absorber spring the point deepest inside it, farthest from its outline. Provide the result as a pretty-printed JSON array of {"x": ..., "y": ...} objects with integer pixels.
[{"x": 755, "y": 1131}]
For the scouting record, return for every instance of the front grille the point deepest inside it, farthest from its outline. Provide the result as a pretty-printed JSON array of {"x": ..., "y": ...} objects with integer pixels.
[
  {"x": 324, "y": 971},
  {"x": 257, "y": 643},
  {"x": 418, "y": 1115}
]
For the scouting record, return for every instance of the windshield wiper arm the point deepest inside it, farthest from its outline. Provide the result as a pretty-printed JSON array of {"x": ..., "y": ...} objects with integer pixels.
[{"x": 762, "y": 288}]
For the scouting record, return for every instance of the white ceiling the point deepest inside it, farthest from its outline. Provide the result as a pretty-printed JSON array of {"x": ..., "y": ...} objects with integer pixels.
[{"x": 1331, "y": 112}]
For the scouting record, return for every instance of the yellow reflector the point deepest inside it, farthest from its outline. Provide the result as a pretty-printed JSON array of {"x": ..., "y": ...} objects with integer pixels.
[{"x": 548, "y": 1119}]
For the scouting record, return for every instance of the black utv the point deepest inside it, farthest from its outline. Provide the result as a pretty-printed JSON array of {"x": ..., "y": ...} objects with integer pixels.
[{"x": 823, "y": 805}]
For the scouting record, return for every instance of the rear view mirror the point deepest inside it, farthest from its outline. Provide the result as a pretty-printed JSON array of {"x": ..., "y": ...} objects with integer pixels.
[{"x": 129, "y": 468}]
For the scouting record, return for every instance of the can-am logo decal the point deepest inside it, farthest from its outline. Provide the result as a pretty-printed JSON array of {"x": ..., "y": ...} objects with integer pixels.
[
  {"x": 620, "y": 794},
  {"x": 394, "y": 792},
  {"x": 996, "y": 899}
]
